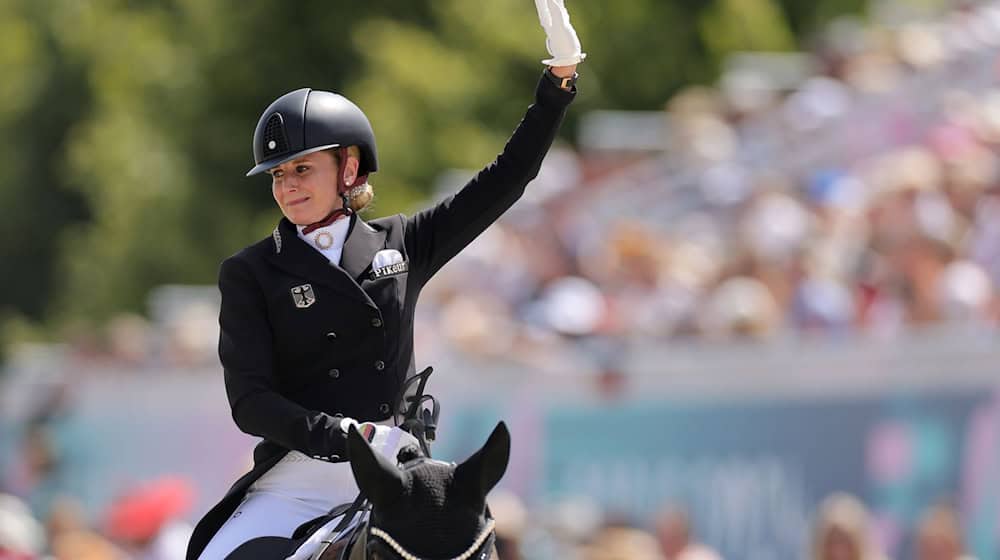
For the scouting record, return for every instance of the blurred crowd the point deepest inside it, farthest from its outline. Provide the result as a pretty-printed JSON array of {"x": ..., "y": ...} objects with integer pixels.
[
  {"x": 842, "y": 529},
  {"x": 852, "y": 190},
  {"x": 147, "y": 525}
]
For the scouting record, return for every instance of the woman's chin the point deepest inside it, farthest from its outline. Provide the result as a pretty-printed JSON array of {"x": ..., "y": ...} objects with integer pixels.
[{"x": 299, "y": 218}]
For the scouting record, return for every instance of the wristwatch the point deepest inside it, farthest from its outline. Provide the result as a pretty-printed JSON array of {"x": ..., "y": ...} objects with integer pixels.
[{"x": 567, "y": 83}]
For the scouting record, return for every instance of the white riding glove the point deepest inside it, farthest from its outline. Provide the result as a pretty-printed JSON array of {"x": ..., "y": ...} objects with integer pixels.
[
  {"x": 387, "y": 440},
  {"x": 560, "y": 37}
]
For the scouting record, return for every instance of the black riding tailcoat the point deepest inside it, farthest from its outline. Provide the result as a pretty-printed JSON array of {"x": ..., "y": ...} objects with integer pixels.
[{"x": 303, "y": 341}]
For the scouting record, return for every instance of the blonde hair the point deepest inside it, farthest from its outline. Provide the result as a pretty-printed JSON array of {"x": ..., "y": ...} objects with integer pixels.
[{"x": 359, "y": 197}]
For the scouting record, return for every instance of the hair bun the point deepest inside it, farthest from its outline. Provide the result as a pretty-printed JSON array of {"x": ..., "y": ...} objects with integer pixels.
[{"x": 360, "y": 196}]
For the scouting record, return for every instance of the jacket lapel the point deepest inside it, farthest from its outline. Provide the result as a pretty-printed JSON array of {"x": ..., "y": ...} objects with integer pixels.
[
  {"x": 292, "y": 254},
  {"x": 362, "y": 243}
]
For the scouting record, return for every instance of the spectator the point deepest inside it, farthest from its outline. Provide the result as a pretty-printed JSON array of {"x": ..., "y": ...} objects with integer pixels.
[
  {"x": 673, "y": 530},
  {"x": 842, "y": 530},
  {"x": 622, "y": 543},
  {"x": 66, "y": 516},
  {"x": 85, "y": 545},
  {"x": 21, "y": 535},
  {"x": 147, "y": 520},
  {"x": 939, "y": 535},
  {"x": 511, "y": 517}
]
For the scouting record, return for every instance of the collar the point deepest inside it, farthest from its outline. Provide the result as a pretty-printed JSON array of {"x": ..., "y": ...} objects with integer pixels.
[
  {"x": 360, "y": 247},
  {"x": 335, "y": 234}
]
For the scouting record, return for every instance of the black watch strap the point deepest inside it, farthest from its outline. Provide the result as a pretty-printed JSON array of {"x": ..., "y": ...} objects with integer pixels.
[{"x": 564, "y": 83}]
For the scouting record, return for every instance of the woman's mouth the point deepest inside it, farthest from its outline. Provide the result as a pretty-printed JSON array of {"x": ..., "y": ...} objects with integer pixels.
[{"x": 298, "y": 201}]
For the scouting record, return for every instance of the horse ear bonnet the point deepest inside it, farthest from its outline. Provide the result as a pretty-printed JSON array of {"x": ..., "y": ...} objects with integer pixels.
[
  {"x": 483, "y": 470},
  {"x": 381, "y": 481},
  {"x": 431, "y": 519},
  {"x": 438, "y": 498}
]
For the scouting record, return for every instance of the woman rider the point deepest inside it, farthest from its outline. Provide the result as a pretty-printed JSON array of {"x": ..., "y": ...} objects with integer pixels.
[{"x": 317, "y": 319}]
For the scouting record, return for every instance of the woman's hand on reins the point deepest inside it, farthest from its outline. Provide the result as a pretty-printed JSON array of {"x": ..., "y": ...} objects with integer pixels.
[{"x": 387, "y": 440}]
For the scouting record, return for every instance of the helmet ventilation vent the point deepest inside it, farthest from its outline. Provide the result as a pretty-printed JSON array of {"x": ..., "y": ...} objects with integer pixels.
[{"x": 274, "y": 135}]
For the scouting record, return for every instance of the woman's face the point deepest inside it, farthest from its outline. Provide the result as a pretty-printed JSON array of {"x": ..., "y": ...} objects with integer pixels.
[{"x": 306, "y": 187}]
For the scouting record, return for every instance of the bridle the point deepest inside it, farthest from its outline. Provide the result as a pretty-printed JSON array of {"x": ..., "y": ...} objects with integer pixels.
[{"x": 386, "y": 547}]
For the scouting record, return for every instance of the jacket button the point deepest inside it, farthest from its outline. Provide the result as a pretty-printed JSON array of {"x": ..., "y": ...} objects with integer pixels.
[
  {"x": 331, "y": 336},
  {"x": 376, "y": 322},
  {"x": 379, "y": 365},
  {"x": 334, "y": 373},
  {"x": 383, "y": 408}
]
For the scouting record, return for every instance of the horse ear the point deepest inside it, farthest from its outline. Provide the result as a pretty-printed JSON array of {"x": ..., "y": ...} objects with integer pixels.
[
  {"x": 483, "y": 470},
  {"x": 378, "y": 479}
]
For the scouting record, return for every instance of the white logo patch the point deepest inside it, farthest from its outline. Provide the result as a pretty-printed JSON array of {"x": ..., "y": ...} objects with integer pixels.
[
  {"x": 390, "y": 270},
  {"x": 385, "y": 257}
]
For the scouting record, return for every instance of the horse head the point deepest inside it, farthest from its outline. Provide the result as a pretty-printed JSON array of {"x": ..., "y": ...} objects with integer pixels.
[{"x": 425, "y": 508}]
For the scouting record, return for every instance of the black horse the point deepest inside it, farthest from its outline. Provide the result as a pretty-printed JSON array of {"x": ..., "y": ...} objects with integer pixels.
[
  {"x": 416, "y": 509},
  {"x": 427, "y": 509}
]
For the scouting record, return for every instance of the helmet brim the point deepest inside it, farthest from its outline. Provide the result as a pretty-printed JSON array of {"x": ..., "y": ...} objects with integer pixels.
[{"x": 275, "y": 162}]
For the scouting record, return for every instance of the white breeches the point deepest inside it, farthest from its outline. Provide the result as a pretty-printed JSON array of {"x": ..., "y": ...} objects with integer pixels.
[{"x": 297, "y": 489}]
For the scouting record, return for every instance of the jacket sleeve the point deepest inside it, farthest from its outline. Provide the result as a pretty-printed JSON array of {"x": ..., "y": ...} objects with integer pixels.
[
  {"x": 437, "y": 234},
  {"x": 245, "y": 349}
]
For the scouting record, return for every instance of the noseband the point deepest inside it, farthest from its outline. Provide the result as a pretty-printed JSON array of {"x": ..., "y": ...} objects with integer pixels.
[{"x": 479, "y": 550}]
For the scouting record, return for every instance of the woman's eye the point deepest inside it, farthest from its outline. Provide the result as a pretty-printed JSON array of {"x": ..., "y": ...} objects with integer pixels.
[
  {"x": 302, "y": 168},
  {"x": 277, "y": 174}
]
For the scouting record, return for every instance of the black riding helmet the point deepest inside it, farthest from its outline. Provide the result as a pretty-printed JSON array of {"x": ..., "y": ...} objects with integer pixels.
[{"x": 305, "y": 121}]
